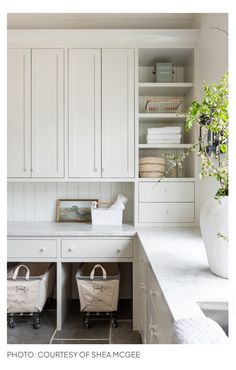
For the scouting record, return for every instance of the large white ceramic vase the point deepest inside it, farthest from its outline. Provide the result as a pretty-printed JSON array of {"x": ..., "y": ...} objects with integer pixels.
[{"x": 214, "y": 220}]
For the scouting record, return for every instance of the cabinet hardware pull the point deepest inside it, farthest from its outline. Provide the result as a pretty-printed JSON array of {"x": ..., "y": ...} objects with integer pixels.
[
  {"x": 142, "y": 285},
  {"x": 26, "y": 169},
  {"x": 70, "y": 249},
  {"x": 118, "y": 250},
  {"x": 42, "y": 249},
  {"x": 95, "y": 170},
  {"x": 168, "y": 212},
  {"x": 155, "y": 333}
]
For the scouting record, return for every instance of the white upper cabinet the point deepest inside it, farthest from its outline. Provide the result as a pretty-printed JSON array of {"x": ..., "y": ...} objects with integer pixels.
[
  {"x": 117, "y": 113},
  {"x": 85, "y": 113},
  {"x": 47, "y": 113},
  {"x": 19, "y": 111}
]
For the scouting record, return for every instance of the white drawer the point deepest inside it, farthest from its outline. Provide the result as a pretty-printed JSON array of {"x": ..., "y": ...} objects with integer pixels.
[
  {"x": 166, "y": 212},
  {"x": 166, "y": 191},
  {"x": 97, "y": 248},
  {"x": 28, "y": 248}
]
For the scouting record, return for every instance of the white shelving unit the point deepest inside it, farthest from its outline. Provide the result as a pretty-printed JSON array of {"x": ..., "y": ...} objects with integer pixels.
[{"x": 157, "y": 210}]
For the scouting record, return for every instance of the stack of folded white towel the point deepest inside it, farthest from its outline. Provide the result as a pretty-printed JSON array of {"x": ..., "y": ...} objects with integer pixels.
[{"x": 164, "y": 135}]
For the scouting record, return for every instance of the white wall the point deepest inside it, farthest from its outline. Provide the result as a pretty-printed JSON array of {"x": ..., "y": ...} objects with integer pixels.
[
  {"x": 36, "y": 201},
  {"x": 213, "y": 62}
]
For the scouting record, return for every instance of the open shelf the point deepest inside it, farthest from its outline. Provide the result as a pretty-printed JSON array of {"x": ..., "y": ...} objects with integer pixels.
[
  {"x": 165, "y": 145},
  {"x": 181, "y": 58},
  {"x": 169, "y": 179},
  {"x": 164, "y": 89},
  {"x": 161, "y": 117}
]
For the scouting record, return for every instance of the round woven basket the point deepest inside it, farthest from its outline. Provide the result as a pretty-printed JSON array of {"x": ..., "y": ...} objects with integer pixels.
[
  {"x": 151, "y": 174},
  {"x": 152, "y": 167},
  {"x": 154, "y": 160}
]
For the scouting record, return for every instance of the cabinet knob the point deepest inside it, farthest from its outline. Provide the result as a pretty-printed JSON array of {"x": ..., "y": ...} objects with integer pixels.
[
  {"x": 168, "y": 212},
  {"x": 165, "y": 190},
  {"x": 155, "y": 333},
  {"x": 154, "y": 293},
  {"x": 118, "y": 250},
  {"x": 42, "y": 250},
  {"x": 95, "y": 170},
  {"x": 142, "y": 285},
  {"x": 70, "y": 249}
]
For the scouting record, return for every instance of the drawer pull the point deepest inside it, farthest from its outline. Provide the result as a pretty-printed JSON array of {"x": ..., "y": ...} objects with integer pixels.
[
  {"x": 153, "y": 293},
  {"x": 154, "y": 330},
  {"x": 70, "y": 249},
  {"x": 142, "y": 286},
  {"x": 42, "y": 250},
  {"x": 155, "y": 333},
  {"x": 168, "y": 212},
  {"x": 118, "y": 250}
]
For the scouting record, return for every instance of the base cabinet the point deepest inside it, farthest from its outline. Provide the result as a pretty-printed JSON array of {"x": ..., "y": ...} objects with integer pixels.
[{"x": 155, "y": 317}]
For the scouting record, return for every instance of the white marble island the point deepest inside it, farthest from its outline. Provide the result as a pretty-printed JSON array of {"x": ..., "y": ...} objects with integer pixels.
[{"x": 178, "y": 259}]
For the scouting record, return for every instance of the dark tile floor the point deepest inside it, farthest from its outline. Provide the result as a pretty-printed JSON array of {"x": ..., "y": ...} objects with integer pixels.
[{"x": 74, "y": 330}]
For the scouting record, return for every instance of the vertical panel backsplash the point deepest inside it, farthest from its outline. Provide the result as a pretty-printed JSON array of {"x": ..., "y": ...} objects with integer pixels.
[{"x": 36, "y": 201}]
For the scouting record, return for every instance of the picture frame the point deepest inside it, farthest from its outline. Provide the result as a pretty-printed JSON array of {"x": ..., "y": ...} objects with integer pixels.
[{"x": 74, "y": 210}]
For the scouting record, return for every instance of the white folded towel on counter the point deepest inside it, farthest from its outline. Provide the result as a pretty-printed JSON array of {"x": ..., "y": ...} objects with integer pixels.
[
  {"x": 164, "y": 130},
  {"x": 164, "y": 136}
]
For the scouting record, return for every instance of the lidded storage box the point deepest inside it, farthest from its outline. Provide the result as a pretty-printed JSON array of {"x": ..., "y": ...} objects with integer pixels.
[
  {"x": 98, "y": 287},
  {"x": 163, "y": 72},
  {"x": 28, "y": 287}
]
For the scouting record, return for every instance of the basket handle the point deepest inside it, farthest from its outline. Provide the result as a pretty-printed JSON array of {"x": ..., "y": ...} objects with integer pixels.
[
  {"x": 27, "y": 274},
  {"x": 104, "y": 276}
]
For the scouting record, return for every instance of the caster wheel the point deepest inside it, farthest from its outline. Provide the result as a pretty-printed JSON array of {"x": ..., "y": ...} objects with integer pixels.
[
  {"x": 114, "y": 324},
  {"x": 87, "y": 324},
  {"x": 36, "y": 326},
  {"x": 12, "y": 324}
]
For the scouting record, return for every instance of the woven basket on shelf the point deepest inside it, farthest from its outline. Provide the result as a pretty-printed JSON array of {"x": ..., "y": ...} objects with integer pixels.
[
  {"x": 150, "y": 160},
  {"x": 152, "y": 167},
  {"x": 155, "y": 174}
]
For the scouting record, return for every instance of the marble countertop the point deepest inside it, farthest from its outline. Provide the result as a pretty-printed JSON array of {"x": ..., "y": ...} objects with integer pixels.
[
  {"x": 176, "y": 255},
  {"x": 178, "y": 259},
  {"x": 60, "y": 229}
]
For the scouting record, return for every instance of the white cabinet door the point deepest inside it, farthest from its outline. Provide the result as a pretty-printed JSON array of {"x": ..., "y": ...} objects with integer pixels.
[
  {"x": 85, "y": 113},
  {"x": 47, "y": 113},
  {"x": 117, "y": 113},
  {"x": 18, "y": 113}
]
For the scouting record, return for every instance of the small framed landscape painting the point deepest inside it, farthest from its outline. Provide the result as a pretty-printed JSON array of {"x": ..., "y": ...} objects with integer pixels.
[{"x": 74, "y": 210}]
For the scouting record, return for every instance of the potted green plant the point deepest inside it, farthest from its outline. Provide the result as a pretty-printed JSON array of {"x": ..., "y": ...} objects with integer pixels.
[{"x": 211, "y": 116}]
